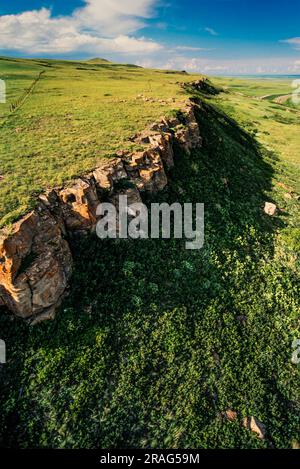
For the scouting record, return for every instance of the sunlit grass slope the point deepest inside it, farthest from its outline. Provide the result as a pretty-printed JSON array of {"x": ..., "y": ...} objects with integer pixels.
[
  {"x": 276, "y": 126},
  {"x": 155, "y": 342},
  {"x": 76, "y": 114}
]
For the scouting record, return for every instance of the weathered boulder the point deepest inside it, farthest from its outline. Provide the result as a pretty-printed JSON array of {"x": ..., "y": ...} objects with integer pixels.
[
  {"x": 146, "y": 170},
  {"x": 270, "y": 209},
  {"x": 163, "y": 144},
  {"x": 109, "y": 173},
  {"x": 188, "y": 133},
  {"x": 35, "y": 264},
  {"x": 78, "y": 205},
  {"x": 253, "y": 424},
  {"x": 230, "y": 415},
  {"x": 182, "y": 137}
]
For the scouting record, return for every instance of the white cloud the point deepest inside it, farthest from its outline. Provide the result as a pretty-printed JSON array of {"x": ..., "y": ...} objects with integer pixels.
[
  {"x": 101, "y": 26},
  {"x": 211, "y": 31},
  {"x": 294, "y": 41},
  {"x": 113, "y": 17}
]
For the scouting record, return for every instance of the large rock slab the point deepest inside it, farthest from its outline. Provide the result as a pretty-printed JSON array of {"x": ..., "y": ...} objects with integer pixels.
[{"x": 35, "y": 264}]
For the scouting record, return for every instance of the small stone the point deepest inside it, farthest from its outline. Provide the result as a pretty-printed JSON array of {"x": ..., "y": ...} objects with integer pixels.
[
  {"x": 253, "y": 424},
  {"x": 230, "y": 415},
  {"x": 270, "y": 209}
]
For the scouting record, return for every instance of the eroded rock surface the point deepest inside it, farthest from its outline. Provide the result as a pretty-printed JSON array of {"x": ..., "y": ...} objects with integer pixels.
[
  {"x": 254, "y": 425},
  {"x": 35, "y": 265}
]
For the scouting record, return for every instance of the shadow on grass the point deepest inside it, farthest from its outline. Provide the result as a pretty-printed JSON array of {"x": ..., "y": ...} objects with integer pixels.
[{"x": 155, "y": 341}]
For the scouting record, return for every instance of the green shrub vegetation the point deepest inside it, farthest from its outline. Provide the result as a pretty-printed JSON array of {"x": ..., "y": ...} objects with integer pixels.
[{"x": 155, "y": 342}]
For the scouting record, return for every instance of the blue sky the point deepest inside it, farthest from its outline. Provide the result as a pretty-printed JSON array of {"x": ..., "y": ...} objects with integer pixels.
[{"x": 210, "y": 36}]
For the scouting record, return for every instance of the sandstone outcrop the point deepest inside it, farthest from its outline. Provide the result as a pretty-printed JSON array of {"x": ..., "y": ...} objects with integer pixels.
[
  {"x": 35, "y": 256},
  {"x": 35, "y": 265}
]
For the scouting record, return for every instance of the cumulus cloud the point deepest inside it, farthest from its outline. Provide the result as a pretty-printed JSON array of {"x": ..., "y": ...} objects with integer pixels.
[
  {"x": 101, "y": 26},
  {"x": 113, "y": 17}
]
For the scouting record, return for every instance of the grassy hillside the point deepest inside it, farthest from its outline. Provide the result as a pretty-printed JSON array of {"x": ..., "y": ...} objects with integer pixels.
[
  {"x": 257, "y": 87},
  {"x": 276, "y": 126},
  {"x": 76, "y": 114},
  {"x": 98, "y": 60},
  {"x": 154, "y": 342}
]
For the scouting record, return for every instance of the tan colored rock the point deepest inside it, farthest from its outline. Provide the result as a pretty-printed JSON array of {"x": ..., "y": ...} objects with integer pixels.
[
  {"x": 253, "y": 424},
  {"x": 270, "y": 209},
  {"x": 230, "y": 415},
  {"x": 143, "y": 138},
  {"x": 51, "y": 201},
  {"x": 187, "y": 133},
  {"x": 162, "y": 126},
  {"x": 35, "y": 264},
  {"x": 108, "y": 173},
  {"x": 163, "y": 144},
  {"x": 146, "y": 171},
  {"x": 79, "y": 204},
  {"x": 182, "y": 137},
  {"x": 195, "y": 140},
  {"x": 16, "y": 246},
  {"x": 171, "y": 122}
]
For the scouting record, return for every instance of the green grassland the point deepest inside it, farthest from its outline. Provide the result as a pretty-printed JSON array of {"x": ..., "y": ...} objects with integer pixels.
[
  {"x": 76, "y": 114},
  {"x": 155, "y": 342},
  {"x": 276, "y": 126},
  {"x": 257, "y": 87}
]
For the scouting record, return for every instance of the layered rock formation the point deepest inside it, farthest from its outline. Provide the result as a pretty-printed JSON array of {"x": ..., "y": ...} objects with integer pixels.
[{"x": 35, "y": 257}]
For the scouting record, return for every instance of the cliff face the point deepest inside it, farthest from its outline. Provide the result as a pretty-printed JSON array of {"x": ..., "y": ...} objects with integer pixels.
[{"x": 35, "y": 257}]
